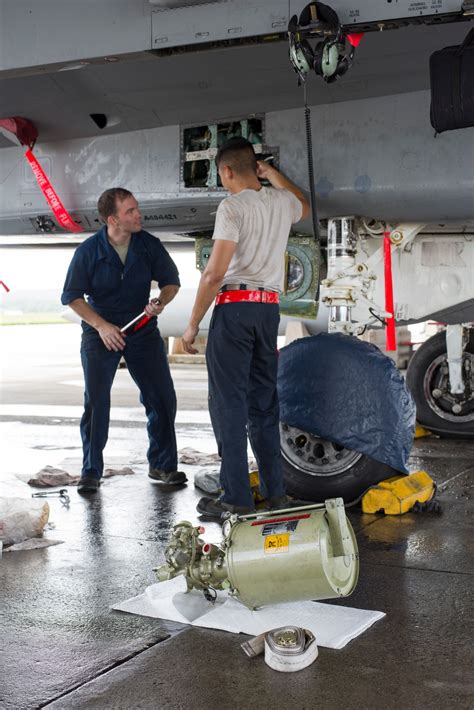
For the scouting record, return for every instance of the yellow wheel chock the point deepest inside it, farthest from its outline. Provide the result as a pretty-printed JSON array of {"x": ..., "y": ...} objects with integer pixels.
[
  {"x": 255, "y": 486},
  {"x": 399, "y": 494},
  {"x": 420, "y": 431}
]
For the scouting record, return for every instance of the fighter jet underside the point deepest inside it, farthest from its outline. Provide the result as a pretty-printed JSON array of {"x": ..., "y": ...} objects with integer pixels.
[{"x": 141, "y": 93}]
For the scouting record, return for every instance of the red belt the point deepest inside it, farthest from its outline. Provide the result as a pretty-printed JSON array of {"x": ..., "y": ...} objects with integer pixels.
[{"x": 248, "y": 296}]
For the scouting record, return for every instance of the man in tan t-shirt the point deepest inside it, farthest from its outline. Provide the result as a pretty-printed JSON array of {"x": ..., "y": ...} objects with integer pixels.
[{"x": 244, "y": 276}]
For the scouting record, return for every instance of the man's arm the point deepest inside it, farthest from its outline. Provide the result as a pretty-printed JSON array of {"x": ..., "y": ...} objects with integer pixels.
[
  {"x": 76, "y": 285},
  {"x": 166, "y": 295},
  {"x": 164, "y": 271},
  {"x": 210, "y": 283},
  {"x": 111, "y": 336},
  {"x": 268, "y": 172}
]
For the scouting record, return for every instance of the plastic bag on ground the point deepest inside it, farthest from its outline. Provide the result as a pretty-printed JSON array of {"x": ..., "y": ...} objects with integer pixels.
[
  {"x": 208, "y": 481},
  {"x": 21, "y": 519}
]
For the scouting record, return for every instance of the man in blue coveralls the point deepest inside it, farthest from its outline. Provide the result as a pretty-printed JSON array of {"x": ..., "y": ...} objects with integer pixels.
[
  {"x": 115, "y": 268},
  {"x": 244, "y": 276}
]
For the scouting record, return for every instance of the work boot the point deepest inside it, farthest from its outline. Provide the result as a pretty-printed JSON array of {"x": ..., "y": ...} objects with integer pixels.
[
  {"x": 88, "y": 484},
  {"x": 169, "y": 478},
  {"x": 282, "y": 502},
  {"x": 212, "y": 508}
]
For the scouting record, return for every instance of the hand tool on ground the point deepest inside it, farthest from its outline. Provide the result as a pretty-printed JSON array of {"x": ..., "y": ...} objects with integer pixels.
[{"x": 62, "y": 493}]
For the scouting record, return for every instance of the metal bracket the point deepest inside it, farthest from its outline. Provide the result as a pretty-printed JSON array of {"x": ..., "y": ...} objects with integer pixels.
[
  {"x": 336, "y": 517},
  {"x": 454, "y": 338}
]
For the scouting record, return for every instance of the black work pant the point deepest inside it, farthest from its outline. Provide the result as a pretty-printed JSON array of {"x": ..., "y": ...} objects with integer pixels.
[{"x": 242, "y": 361}]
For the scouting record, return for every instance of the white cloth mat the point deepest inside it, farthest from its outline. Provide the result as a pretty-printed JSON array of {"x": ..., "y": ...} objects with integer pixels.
[{"x": 334, "y": 626}]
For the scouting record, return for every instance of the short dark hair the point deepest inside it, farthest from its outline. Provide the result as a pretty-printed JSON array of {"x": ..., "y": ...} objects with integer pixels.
[
  {"x": 107, "y": 202},
  {"x": 238, "y": 154}
]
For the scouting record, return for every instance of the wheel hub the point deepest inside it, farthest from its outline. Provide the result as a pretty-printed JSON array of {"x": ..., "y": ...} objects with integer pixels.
[
  {"x": 313, "y": 455},
  {"x": 450, "y": 407}
]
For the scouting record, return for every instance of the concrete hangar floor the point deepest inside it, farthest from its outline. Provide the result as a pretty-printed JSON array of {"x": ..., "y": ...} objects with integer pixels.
[{"x": 61, "y": 645}]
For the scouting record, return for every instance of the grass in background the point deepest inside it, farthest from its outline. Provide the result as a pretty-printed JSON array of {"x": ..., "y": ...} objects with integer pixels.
[{"x": 30, "y": 318}]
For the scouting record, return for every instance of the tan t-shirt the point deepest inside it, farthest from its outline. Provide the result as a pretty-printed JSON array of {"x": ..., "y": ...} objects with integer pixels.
[
  {"x": 121, "y": 251},
  {"x": 259, "y": 221}
]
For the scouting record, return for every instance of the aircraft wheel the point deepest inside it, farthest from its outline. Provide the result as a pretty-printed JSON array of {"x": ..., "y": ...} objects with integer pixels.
[
  {"x": 445, "y": 414},
  {"x": 315, "y": 469}
]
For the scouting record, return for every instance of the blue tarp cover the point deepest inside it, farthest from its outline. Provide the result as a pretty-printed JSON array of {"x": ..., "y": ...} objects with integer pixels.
[{"x": 345, "y": 390}]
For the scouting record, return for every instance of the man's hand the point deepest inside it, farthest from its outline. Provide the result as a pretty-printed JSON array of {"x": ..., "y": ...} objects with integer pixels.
[
  {"x": 154, "y": 308},
  {"x": 189, "y": 336},
  {"x": 264, "y": 170},
  {"x": 111, "y": 336}
]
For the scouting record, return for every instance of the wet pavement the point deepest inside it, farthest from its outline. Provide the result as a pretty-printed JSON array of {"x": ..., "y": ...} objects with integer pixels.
[{"x": 61, "y": 645}]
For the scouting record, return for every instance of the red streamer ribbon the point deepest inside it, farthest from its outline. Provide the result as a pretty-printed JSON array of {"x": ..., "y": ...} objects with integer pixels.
[
  {"x": 60, "y": 212},
  {"x": 390, "y": 336},
  {"x": 355, "y": 38},
  {"x": 5, "y": 286},
  {"x": 25, "y": 131}
]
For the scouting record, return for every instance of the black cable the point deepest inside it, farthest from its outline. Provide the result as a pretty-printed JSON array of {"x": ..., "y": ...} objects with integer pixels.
[
  {"x": 312, "y": 193},
  {"x": 309, "y": 150},
  {"x": 210, "y": 594},
  {"x": 382, "y": 320}
]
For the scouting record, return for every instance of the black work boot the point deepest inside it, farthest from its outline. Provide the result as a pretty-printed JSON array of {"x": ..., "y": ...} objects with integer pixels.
[
  {"x": 88, "y": 484},
  {"x": 212, "y": 508},
  {"x": 169, "y": 478}
]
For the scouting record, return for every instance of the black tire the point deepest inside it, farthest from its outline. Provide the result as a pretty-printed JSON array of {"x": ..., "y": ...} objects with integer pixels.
[
  {"x": 427, "y": 373},
  {"x": 316, "y": 482}
]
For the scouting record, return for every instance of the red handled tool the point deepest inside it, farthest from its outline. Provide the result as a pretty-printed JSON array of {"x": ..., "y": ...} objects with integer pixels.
[{"x": 140, "y": 320}]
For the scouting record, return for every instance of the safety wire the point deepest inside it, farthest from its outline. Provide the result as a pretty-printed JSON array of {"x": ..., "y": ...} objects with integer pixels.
[{"x": 312, "y": 193}]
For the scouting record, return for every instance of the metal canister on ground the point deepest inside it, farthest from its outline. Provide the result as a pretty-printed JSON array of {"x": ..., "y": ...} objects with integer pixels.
[{"x": 304, "y": 553}]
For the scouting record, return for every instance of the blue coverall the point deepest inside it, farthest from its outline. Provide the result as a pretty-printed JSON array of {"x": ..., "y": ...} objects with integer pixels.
[{"x": 119, "y": 293}]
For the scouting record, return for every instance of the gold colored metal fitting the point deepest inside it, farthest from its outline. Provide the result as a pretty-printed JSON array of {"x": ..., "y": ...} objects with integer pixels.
[{"x": 396, "y": 237}]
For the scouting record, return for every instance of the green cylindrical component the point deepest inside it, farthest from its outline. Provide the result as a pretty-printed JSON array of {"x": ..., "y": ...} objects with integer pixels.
[{"x": 305, "y": 554}]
